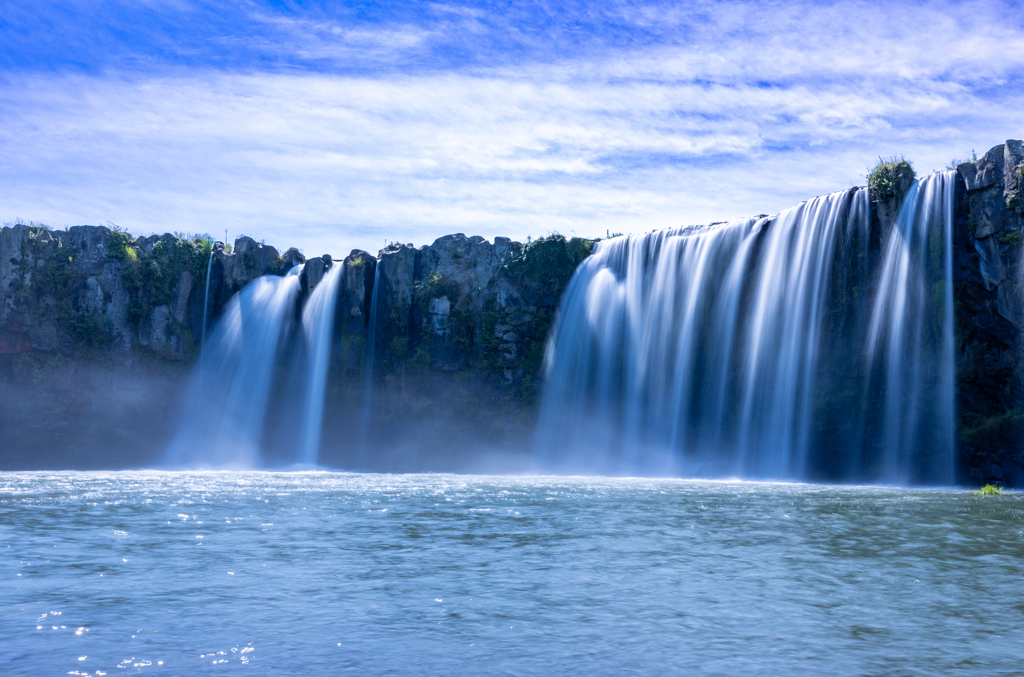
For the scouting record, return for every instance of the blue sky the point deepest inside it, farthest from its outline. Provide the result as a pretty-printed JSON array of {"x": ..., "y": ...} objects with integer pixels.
[{"x": 331, "y": 126}]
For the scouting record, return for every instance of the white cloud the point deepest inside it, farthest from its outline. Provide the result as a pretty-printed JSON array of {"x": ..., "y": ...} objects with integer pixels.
[
  {"x": 747, "y": 118},
  {"x": 327, "y": 39}
]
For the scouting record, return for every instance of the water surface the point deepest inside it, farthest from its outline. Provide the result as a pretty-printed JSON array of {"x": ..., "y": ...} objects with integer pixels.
[{"x": 323, "y": 573}]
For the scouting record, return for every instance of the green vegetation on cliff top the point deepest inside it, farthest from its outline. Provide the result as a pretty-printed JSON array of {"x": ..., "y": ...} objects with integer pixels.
[
  {"x": 890, "y": 178},
  {"x": 150, "y": 276},
  {"x": 547, "y": 263}
]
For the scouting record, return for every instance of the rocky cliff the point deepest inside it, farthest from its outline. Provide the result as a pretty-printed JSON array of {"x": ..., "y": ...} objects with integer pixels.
[
  {"x": 98, "y": 331},
  {"x": 988, "y": 276}
]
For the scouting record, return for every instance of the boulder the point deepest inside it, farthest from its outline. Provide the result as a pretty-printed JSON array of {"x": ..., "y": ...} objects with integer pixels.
[
  {"x": 356, "y": 292},
  {"x": 984, "y": 173},
  {"x": 251, "y": 259},
  {"x": 312, "y": 272},
  {"x": 292, "y": 257}
]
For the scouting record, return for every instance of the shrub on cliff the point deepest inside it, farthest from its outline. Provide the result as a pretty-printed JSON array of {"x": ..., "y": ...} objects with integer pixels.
[
  {"x": 47, "y": 292},
  {"x": 151, "y": 272},
  {"x": 890, "y": 178},
  {"x": 988, "y": 432},
  {"x": 434, "y": 287},
  {"x": 546, "y": 265}
]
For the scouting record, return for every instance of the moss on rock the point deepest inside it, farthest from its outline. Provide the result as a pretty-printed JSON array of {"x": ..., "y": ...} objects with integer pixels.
[
  {"x": 890, "y": 178},
  {"x": 545, "y": 265}
]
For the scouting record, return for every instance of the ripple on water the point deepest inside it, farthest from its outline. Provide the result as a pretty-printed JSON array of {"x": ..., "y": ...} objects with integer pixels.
[{"x": 444, "y": 574}]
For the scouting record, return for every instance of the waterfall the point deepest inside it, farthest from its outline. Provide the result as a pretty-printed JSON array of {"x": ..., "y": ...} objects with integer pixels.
[
  {"x": 647, "y": 323},
  {"x": 206, "y": 298},
  {"x": 783, "y": 337},
  {"x": 221, "y": 422},
  {"x": 910, "y": 338},
  {"x": 318, "y": 330},
  {"x": 755, "y": 348}
]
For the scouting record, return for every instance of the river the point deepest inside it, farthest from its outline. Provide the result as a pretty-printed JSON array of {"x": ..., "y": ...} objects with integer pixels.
[{"x": 335, "y": 573}]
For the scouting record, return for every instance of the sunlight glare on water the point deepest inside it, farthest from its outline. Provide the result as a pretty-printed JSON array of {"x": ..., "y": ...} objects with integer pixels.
[{"x": 324, "y": 573}]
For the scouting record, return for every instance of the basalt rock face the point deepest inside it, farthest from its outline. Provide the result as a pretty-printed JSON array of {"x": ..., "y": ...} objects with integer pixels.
[
  {"x": 90, "y": 286},
  {"x": 465, "y": 304},
  {"x": 457, "y": 347},
  {"x": 989, "y": 323},
  {"x": 355, "y": 293}
]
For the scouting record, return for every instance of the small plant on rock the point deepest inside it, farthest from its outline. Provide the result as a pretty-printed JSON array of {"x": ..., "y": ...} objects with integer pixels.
[
  {"x": 989, "y": 490},
  {"x": 434, "y": 287},
  {"x": 1011, "y": 237},
  {"x": 890, "y": 178}
]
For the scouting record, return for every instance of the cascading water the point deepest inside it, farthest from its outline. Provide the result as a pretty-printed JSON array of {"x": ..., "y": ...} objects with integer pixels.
[
  {"x": 910, "y": 338},
  {"x": 221, "y": 423},
  {"x": 317, "y": 327},
  {"x": 626, "y": 355},
  {"x": 783, "y": 337},
  {"x": 739, "y": 348},
  {"x": 206, "y": 298}
]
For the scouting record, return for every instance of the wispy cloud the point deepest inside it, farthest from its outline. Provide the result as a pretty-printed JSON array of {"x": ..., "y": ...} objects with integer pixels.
[
  {"x": 708, "y": 112},
  {"x": 320, "y": 40}
]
